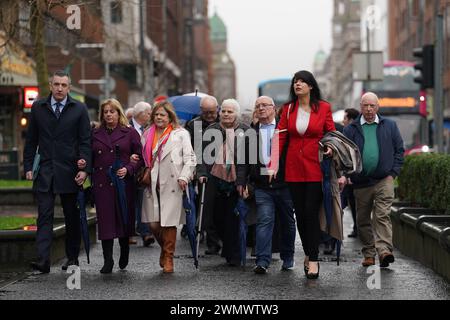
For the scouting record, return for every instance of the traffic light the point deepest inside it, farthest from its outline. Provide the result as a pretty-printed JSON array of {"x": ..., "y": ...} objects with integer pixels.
[{"x": 425, "y": 66}]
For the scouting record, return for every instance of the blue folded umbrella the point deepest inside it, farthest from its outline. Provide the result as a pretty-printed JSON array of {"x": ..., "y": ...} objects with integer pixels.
[
  {"x": 328, "y": 199},
  {"x": 119, "y": 185},
  {"x": 191, "y": 219},
  {"x": 242, "y": 210}
]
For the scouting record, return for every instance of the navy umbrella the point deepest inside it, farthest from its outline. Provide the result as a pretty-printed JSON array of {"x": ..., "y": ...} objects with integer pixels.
[
  {"x": 119, "y": 185},
  {"x": 186, "y": 107},
  {"x": 242, "y": 210},
  {"x": 328, "y": 200},
  {"x": 81, "y": 200},
  {"x": 191, "y": 211}
]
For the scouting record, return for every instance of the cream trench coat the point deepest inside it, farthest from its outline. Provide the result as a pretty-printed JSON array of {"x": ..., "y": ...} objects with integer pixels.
[{"x": 178, "y": 161}]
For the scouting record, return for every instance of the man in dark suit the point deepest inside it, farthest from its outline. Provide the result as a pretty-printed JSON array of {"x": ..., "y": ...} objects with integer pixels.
[
  {"x": 273, "y": 199},
  {"x": 60, "y": 131},
  {"x": 196, "y": 127}
]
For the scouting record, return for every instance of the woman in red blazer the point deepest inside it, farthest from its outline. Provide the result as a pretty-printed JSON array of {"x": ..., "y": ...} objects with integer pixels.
[{"x": 304, "y": 121}]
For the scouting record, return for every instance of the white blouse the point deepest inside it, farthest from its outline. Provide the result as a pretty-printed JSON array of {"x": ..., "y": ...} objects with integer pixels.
[{"x": 302, "y": 121}]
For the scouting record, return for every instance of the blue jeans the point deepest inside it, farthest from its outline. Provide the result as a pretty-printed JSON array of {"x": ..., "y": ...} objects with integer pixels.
[
  {"x": 268, "y": 203},
  {"x": 142, "y": 228}
]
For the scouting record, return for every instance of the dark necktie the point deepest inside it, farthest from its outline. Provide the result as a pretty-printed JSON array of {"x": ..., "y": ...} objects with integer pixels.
[
  {"x": 142, "y": 129},
  {"x": 58, "y": 110}
]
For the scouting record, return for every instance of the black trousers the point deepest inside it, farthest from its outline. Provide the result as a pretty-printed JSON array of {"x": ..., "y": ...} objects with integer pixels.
[
  {"x": 307, "y": 198},
  {"x": 210, "y": 220},
  {"x": 229, "y": 232},
  {"x": 44, "y": 234}
]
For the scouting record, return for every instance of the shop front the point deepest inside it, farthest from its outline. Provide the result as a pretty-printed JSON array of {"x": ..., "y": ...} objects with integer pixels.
[{"x": 18, "y": 90}]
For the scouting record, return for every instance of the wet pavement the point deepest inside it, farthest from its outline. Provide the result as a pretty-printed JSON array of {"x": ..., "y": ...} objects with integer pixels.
[{"x": 214, "y": 280}]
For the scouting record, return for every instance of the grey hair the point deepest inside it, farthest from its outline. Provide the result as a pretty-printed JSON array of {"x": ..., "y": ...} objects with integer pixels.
[
  {"x": 141, "y": 107},
  {"x": 129, "y": 110},
  {"x": 206, "y": 98},
  {"x": 234, "y": 103},
  {"x": 266, "y": 97}
]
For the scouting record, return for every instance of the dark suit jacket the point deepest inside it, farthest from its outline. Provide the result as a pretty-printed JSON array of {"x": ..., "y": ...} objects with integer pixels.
[
  {"x": 62, "y": 142},
  {"x": 262, "y": 181}
]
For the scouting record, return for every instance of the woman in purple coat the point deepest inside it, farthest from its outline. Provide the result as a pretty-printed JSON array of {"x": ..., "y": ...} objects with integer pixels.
[{"x": 114, "y": 131}]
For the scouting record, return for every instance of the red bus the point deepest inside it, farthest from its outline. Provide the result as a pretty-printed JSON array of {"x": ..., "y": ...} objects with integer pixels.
[{"x": 402, "y": 100}]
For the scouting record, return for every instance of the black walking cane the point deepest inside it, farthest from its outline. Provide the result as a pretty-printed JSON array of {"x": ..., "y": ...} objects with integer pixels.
[{"x": 200, "y": 215}]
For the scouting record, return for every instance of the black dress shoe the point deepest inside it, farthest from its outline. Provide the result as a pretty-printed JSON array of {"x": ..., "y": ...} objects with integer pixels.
[
  {"x": 70, "y": 262},
  {"x": 42, "y": 267},
  {"x": 354, "y": 234},
  {"x": 148, "y": 240}
]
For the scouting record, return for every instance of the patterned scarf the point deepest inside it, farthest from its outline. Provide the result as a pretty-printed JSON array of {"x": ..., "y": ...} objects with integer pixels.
[
  {"x": 223, "y": 169},
  {"x": 153, "y": 146}
]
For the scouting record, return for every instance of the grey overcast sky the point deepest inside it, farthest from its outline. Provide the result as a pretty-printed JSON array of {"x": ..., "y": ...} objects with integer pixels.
[{"x": 273, "y": 38}]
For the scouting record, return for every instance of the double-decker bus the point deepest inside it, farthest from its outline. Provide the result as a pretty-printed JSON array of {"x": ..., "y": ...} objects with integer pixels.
[
  {"x": 277, "y": 89},
  {"x": 402, "y": 100}
]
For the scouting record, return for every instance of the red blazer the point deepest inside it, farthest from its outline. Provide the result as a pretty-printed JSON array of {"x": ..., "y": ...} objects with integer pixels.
[{"x": 302, "y": 159}]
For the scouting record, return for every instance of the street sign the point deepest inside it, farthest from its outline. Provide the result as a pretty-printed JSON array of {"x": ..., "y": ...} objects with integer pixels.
[
  {"x": 111, "y": 85},
  {"x": 368, "y": 66},
  {"x": 101, "y": 83}
]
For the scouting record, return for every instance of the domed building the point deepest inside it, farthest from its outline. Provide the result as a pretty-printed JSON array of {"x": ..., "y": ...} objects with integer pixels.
[
  {"x": 322, "y": 73},
  {"x": 224, "y": 69}
]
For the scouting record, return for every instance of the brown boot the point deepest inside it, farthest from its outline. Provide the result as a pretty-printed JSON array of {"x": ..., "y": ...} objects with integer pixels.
[
  {"x": 170, "y": 238},
  {"x": 157, "y": 232}
]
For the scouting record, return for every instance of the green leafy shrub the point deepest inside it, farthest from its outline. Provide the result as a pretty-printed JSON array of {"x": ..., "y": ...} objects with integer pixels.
[
  {"x": 13, "y": 223},
  {"x": 425, "y": 180}
]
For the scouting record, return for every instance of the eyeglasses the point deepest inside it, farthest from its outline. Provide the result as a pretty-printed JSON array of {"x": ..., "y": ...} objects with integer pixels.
[
  {"x": 369, "y": 105},
  {"x": 263, "y": 106},
  {"x": 209, "y": 112}
]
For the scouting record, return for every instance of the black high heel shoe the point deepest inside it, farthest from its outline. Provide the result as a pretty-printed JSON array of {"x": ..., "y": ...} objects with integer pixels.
[
  {"x": 306, "y": 266},
  {"x": 313, "y": 276}
]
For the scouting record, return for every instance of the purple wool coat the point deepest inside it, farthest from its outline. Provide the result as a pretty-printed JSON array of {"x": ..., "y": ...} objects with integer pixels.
[{"x": 110, "y": 225}]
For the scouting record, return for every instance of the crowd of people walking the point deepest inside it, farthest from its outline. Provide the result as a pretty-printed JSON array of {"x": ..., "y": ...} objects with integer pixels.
[{"x": 276, "y": 163}]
